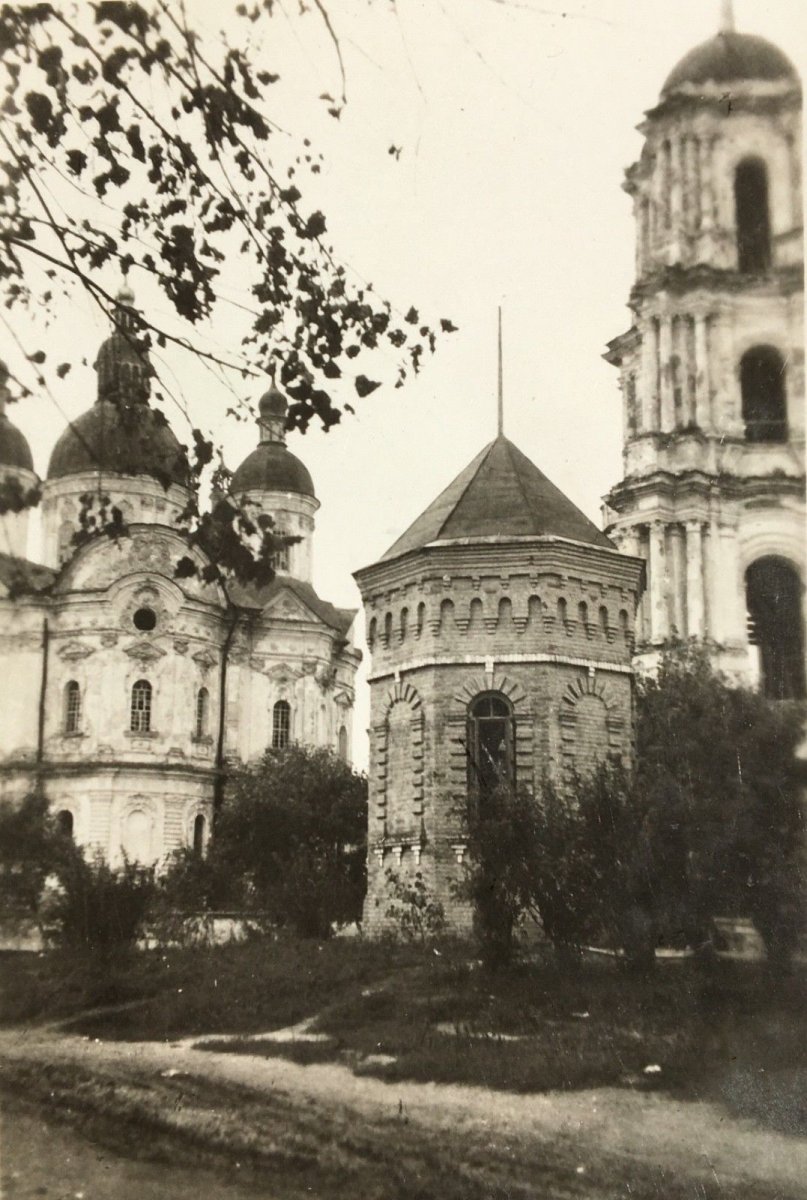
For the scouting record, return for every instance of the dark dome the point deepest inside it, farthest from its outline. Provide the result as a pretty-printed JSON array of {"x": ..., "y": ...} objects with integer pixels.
[
  {"x": 272, "y": 468},
  {"x": 728, "y": 58},
  {"x": 130, "y": 439},
  {"x": 14, "y": 448}
]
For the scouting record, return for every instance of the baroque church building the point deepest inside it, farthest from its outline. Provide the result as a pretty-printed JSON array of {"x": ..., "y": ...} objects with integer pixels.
[
  {"x": 134, "y": 689},
  {"x": 500, "y": 626},
  {"x": 712, "y": 368}
]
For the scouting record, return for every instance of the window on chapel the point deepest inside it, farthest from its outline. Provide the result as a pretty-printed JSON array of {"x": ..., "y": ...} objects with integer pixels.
[
  {"x": 202, "y": 708},
  {"x": 281, "y": 725},
  {"x": 141, "y": 707},
  {"x": 72, "y": 707}
]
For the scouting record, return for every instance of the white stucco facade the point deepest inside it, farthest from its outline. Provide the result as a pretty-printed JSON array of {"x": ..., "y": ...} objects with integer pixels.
[{"x": 130, "y": 692}]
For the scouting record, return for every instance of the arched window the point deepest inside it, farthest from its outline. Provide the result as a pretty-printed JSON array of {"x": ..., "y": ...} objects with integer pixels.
[
  {"x": 773, "y": 599},
  {"x": 388, "y": 629},
  {"x": 582, "y": 614},
  {"x": 563, "y": 611},
  {"x": 141, "y": 707},
  {"x": 490, "y": 744},
  {"x": 603, "y": 615},
  {"x": 281, "y": 725},
  {"x": 762, "y": 386},
  {"x": 752, "y": 215},
  {"x": 198, "y": 834},
  {"x": 372, "y": 632},
  {"x": 202, "y": 709},
  {"x": 64, "y": 823},
  {"x": 72, "y": 707},
  {"x": 341, "y": 743},
  {"x": 404, "y": 622},
  {"x": 421, "y": 619}
]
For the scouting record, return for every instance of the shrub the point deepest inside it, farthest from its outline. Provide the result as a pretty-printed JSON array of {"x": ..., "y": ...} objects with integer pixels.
[
  {"x": 96, "y": 909},
  {"x": 27, "y": 854},
  {"x": 292, "y": 835},
  {"x": 417, "y": 915},
  {"x": 716, "y": 766},
  {"x": 501, "y": 845}
]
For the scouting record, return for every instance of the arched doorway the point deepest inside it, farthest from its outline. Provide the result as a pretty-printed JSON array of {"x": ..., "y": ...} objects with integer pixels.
[{"x": 773, "y": 600}]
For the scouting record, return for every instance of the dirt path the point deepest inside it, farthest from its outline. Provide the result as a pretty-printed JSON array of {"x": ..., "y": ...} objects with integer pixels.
[{"x": 691, "y": 1138}]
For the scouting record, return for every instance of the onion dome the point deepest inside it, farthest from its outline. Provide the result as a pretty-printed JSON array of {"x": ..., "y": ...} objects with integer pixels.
[
  {"x": 121, "y": 434},
  {"x": 727, "y": 58},
  {"x": 271, "y": 467},
  {"x": 14, "y": 448}
]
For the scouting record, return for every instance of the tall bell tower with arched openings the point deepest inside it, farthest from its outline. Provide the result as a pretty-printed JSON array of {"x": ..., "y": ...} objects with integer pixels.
[{"x": 712, "y": 369}]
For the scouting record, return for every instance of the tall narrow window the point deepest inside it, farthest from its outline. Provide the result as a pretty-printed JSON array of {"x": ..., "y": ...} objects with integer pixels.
[
  {"x": 752, "y": 216},
  {"x": 72, "y": 707},
  {"x": 490, "y": 744},
  {"x": 631, "y": 408},
  {"x": 198, "y": 834},
  {"x": 341, "y": 743},
  {"x": 141, "y": 707},
  {"x": 202, "y": 707},
  {"x": 281, "y": 725},
  {"x": 280, "y": 557},
  {"x": 774, "y": 602},
  {"x": 762, "y": 385}
]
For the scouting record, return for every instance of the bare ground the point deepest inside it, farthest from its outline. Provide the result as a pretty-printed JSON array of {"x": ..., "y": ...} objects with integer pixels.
[{"x": 599, "y": 1143}]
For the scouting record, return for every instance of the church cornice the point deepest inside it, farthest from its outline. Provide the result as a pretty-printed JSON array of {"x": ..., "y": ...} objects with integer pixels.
[
  {"x": 105, "y": 766},
  {"x": 484, "y": 556},
  {"x": 776, "y": 98},
  {"x": 678, "y": 280},
  {"x": 676, "y": 486}
]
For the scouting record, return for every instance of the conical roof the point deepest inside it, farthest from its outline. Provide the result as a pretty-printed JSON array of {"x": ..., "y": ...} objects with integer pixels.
[{"x": 500, "y": 495}]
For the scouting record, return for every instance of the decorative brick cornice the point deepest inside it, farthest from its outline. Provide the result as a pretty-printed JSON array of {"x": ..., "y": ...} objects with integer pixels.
[{"x": 476, "y": 660}]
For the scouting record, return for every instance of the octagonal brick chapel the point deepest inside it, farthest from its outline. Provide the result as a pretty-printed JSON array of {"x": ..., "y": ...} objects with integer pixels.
[{"x": 500, "y": 626}]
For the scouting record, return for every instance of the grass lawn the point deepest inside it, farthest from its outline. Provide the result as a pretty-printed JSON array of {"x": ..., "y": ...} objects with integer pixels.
[{"x": 411, "y": 1013}]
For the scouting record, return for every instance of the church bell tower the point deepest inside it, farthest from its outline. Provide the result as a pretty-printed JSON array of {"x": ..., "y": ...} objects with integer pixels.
[{"x": 712, "y": 368}]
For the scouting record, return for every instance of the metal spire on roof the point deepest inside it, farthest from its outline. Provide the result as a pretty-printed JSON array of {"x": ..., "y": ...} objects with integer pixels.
[
  {"x": 501, "y": 386},
  {"x": 727, "y": 16}
]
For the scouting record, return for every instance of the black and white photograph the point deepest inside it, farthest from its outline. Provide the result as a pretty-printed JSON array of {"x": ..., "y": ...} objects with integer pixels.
[{"x": 403, "y": 678}]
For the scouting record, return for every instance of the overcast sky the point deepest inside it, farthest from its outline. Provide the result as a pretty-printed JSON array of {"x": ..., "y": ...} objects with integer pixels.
[{"x": 515, "y": 121}]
